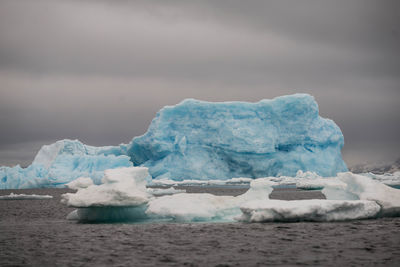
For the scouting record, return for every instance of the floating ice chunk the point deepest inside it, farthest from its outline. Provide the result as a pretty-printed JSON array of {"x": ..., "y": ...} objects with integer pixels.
[
  {"x": 307, "y": 210},
  {"x": 122, "y": 196},
  {"x": 304, "y": 180},
  {"x": 260, "y": 189},
  {"x": 13, "y": 196},
  {"x": 318, "y": 183},
  {"x": 206, "y": 207},
  {"x": 239, "y": 180},
  {"x": 391, "y": 179},
  {"x": 364, "y": 188},
  {"x": 122, "y": 187},
  {"x": 207, "y": 141},
  {"x": 169, "y": 182},
  {"x": 165, "y": 191},
  {"x": 193, "y": 207},
  {"x": 83, "y": 182}
]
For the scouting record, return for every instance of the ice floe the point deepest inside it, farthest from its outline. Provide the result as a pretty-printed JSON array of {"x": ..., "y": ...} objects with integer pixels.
[
  {"x": 308, "y": 210},
  {"x": 121, "y": 187},
  {"x": 165, "y": 191},
  {"x": 124, "y": 196},
  {"x": 13, "y": 196}
]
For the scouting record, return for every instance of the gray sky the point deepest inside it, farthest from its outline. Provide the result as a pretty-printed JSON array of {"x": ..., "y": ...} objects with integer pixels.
[{"x": 98, "y": 71}]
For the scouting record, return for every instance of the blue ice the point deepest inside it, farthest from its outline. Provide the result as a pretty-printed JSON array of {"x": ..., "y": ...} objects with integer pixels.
[
  {"x": 205, "y": 140},
  {"x": 202, "y": 140}
]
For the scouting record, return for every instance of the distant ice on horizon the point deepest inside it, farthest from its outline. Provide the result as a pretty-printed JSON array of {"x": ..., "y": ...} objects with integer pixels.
[{"x": 13, "y": 196}]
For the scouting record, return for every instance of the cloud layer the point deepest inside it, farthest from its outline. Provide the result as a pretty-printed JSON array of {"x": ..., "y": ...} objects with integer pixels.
[{"x": 99, "y": 70}]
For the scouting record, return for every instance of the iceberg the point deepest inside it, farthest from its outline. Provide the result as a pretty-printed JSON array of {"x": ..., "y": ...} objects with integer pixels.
[
  {"x": 198, "y": 140},
  {"x": 64, "y": 161},
  {"x": 202, "y": 140}
]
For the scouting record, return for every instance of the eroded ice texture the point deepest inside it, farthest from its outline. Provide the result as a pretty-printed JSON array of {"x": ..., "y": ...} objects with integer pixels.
[
  {"x": 62, "y": 162},
  {"x": 204, "y": 140}
]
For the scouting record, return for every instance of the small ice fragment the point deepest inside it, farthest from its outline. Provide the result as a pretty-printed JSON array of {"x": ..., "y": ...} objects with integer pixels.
[{"x": 13, "y": 196}]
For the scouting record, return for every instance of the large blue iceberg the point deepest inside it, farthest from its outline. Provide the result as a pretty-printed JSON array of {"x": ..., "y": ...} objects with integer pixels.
[{"x": 202, "y": 140}]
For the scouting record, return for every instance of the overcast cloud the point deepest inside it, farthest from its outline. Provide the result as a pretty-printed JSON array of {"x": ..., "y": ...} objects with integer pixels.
[{"x": 98, "y": 71}]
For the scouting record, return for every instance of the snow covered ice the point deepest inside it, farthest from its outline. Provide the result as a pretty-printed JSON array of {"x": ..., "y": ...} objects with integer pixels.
[
  {"x": 123, "y": 196},
  {"x": 392, "y": 179},
  {"x": 120, "y": 187},
  {"x": 308, "y": 210},
  {"x": 359, "y": 187},
  {"x": 198, "y": 140}
]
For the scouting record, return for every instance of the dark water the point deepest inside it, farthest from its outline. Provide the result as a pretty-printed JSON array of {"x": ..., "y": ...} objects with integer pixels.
[{"x": 35, "y": 233}]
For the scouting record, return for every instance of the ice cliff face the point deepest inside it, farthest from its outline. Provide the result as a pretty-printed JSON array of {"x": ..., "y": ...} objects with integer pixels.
[{"x": 203, "y": 140}]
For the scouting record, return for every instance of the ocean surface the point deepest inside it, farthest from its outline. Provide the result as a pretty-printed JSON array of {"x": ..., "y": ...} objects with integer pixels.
[{"x": 36, "y": 233}]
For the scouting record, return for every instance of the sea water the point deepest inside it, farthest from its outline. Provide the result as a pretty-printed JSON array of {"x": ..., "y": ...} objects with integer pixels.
[{"x": 36, "y": 233}]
